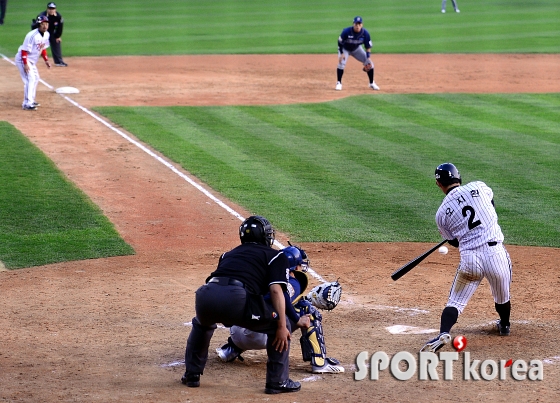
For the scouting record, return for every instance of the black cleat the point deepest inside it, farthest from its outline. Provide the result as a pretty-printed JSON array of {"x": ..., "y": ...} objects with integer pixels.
[
  {"x": 502, "y": 330},
  {"x": 191, "y": 380},
  {"x": 282, "y": 387}
]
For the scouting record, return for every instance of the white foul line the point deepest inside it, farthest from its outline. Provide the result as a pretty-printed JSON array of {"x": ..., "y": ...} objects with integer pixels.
[{"x": 161, "y": 160}]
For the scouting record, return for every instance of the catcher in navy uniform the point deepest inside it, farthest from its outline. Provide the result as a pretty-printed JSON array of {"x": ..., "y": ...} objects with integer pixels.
[
  {"x": 352, "y": 42},
  {"x": 313, "y": 348},
  {"x": 234, "y": 295}
]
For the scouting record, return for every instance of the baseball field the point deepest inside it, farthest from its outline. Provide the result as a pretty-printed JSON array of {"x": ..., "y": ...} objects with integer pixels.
[{"x": 193, "y": 115}]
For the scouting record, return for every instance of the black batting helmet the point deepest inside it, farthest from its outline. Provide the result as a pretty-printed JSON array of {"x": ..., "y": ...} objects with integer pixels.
[
  {"x": 257, "y": 229},
  {"x": 447, "y": 174}
]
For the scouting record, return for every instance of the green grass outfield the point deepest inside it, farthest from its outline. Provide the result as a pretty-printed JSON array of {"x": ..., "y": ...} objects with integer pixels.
[
  {"x": 43, "y": 217},
  {"x": 362, "y": 168},
  {"x": 147, "y": 27}
]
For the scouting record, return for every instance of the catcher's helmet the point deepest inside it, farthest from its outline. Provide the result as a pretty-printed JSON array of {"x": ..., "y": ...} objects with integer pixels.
[
  {"x": 447, "y": 173},
  {"x": 296, "y": 257},
  {"x": 42, "y": 18},
  {"x": 257, "y": 229}
]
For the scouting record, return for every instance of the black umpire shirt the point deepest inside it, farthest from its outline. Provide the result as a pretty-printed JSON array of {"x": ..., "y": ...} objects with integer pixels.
[
  {"x": 255, "y": 265},
  {"x": 56, "y": 24}
]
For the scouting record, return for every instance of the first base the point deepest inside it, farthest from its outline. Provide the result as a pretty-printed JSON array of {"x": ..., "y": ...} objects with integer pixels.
[{"x": 67, "y": 90}]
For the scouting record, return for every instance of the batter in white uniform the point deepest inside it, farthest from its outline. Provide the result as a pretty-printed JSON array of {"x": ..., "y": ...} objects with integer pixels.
[
  {"x": 468, "y": 220},
  {"x": 34, "y": 45}
]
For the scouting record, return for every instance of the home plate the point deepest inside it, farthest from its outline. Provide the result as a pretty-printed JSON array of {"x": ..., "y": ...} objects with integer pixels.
[
  {"x": 403, "y": 329},
  {"x": 67, "y": 90}
]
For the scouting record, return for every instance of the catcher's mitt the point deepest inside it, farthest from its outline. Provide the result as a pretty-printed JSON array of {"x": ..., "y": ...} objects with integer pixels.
[
  {"x": 325, "y": 296},
  {"x": 368, "y": 65}
]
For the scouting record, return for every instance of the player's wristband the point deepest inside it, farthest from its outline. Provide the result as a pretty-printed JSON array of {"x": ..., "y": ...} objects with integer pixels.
[
  {"x": 44, "y": 54},
  {"x": 368, "y": 54},
  {"x": 24, "y": 57}
]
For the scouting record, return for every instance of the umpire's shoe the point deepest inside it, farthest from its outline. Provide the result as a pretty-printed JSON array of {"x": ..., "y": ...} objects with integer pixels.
[
  {"x": 502, "y": 330},
  {"x": 273, "y": 388},
  {"x": 191, "y": 380},
  {"x": 435, "y": 344}
]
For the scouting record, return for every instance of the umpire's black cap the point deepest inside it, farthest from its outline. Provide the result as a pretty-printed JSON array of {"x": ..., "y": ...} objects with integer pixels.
[{"x": 51, "y": 5}]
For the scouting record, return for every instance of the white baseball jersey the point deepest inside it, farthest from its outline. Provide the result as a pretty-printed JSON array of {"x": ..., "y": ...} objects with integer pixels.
[
  {"x": 34, "y": 43},
  {"x": 467, "y": 214}
]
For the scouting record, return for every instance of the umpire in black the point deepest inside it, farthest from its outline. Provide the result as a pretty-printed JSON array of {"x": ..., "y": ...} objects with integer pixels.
[
  {"x": 56, "y": 25},
  {"x": 233, "y": 295}
]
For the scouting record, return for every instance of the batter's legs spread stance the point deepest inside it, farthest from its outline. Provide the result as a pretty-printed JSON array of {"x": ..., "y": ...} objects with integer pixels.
[
  {"x": 455, "y": 6},
  {"x": 475, "y": 265},
  {"x": 467, "y": 219},
  {"x": 360, "y": 55}
]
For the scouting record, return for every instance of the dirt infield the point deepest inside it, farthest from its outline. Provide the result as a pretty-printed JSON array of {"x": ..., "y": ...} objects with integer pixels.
[{"x": 114, "y": 329}]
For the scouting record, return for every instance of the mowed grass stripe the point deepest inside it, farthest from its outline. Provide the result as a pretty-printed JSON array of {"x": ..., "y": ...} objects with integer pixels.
[
  {"x": 361, "y": 168},
  {"x": 274, "y": 169},
  {"x": 344, "y": 172},
  {"x": 125, "y": 27},
  {"x": 490, "y": 154}
]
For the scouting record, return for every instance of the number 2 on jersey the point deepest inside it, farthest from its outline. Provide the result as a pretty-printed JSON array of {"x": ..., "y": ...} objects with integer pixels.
[{"x": 472, "y": 222}]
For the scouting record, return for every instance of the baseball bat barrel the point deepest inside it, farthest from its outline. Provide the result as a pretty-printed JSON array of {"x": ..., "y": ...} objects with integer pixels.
[{"x": 414, "y": 262}]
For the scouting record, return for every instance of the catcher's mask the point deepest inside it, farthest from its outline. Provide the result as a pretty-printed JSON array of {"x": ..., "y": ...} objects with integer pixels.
[
  {"x": 447, "y": 173},
  {"x": 256, "y": 229},
  {"x": 296, "y": 256}
]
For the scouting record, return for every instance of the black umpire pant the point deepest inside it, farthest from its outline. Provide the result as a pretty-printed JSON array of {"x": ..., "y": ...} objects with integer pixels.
[
  {"x": 56, "y": 50},
  {"x": 225, "y": 304}
]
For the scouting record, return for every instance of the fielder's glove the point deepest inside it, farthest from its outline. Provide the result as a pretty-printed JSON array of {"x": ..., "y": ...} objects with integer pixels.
[
  {"x": 325, "y": 296},
  {"x": 368, "y": 65}
]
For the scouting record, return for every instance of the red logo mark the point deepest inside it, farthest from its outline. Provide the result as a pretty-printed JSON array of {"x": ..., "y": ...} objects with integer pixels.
[
  {"x": 508, "y": 364},
  {"x": 460, "y": 342}
]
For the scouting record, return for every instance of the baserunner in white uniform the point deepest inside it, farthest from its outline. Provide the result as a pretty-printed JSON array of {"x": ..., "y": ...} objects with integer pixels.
[
  {"x": 468, "y": 220},
  {"x": 34, "y": 45}
]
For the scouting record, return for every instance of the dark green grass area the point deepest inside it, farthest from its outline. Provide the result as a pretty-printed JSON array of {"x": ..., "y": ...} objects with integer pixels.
[
  {"x": 361, "y": 168},
  {"x": 142, "y": 27},
  {"x": 43, "y": 217}
]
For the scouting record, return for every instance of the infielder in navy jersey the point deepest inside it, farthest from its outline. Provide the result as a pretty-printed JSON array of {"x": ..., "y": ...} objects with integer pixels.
[
  {"x": 352, "y": 42},
  {"x": 468, "y": 220}
]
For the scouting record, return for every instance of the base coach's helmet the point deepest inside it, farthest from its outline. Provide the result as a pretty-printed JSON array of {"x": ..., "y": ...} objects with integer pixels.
[
  {"x": 257, "y": 229},
  {"x": 42, "y": 18},
  {"x": 447, "y": 173}
]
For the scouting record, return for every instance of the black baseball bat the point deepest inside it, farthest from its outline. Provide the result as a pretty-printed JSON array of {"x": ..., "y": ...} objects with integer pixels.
[{"x": 414, "y": 262}]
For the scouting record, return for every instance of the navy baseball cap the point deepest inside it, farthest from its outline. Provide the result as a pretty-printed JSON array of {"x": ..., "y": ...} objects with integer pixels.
[
  {"x": 358, "y": 20},
  {"x": 51, "y": 5}
]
